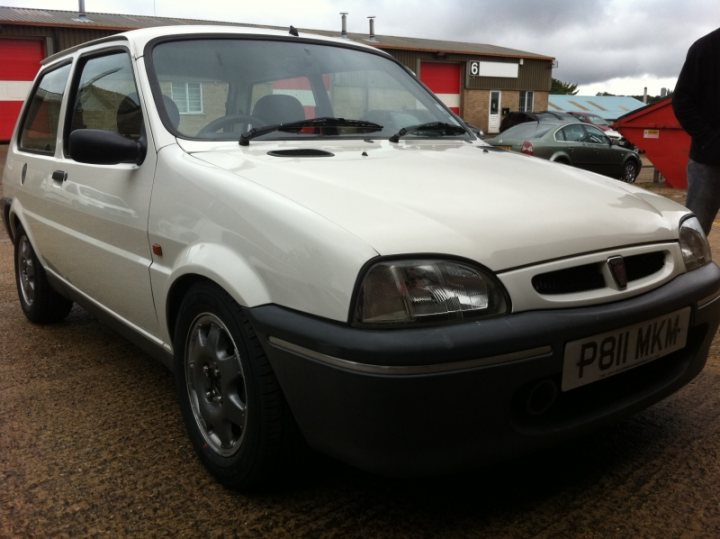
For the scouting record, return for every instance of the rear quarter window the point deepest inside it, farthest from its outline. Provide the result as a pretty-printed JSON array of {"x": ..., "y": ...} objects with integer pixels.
[
  {"x": 526, "y": 130},
  {"x": 38, "y": 132}
]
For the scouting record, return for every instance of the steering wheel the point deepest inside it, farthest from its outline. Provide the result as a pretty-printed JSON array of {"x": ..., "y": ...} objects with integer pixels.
[{"x": 224, "y": 121}]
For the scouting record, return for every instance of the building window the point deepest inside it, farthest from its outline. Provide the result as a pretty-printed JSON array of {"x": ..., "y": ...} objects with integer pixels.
[
  {"x": 188, "y": 97},
  {"x": 526, "y": 101}
]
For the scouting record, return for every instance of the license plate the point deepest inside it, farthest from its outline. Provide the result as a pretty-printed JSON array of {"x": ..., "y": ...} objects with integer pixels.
[
  {"x": 506, "y": 148},
  {"x": 606, "y": 354}
]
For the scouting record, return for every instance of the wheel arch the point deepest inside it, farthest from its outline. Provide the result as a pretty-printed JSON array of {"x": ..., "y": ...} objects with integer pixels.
[
  {"x": 16, "y": 221},
  {"x": 561, "y": 157},
  {"x": 177, "y": 292},
  {"x": 13, "y": 221},
  {"x": 217, "y": 265},
  {"x": 6, "y": 217}
]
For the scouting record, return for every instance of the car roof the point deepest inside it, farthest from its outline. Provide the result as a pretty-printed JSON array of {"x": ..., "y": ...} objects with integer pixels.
[
  {"x": 534, "y": 130},
  {"x": 553, "y": 116},
  {"x": 512, "y": 119},
  {"x": 527, "y": 130},
  {"x": 139, "y": 38}
]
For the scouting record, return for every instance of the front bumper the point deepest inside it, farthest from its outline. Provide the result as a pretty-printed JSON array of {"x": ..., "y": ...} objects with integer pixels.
[{"x": 437, "y": 400}]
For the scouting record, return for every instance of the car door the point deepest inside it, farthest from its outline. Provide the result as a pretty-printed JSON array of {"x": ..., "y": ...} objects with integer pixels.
[
  {"x": 606, "y": 159},
  {"x": 570, "y": 140},
  {"x": 95, "y": 221},
  {"x": 35, "y": 157}
]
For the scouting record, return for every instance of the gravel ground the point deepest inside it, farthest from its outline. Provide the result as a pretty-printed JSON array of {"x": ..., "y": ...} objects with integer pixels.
[{"x": 91, "y": 444}]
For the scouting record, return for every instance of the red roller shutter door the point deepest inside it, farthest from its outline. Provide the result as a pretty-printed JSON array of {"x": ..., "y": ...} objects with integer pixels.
[
  {"x": 19, "y": 62},
  {"x": 444, "y": 81}
]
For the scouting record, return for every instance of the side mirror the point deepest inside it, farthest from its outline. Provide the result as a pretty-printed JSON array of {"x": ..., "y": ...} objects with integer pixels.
[{"x": 99, "y": 147}]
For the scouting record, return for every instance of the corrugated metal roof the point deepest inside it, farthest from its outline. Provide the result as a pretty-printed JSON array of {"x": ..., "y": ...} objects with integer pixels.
[
  {"x": 119, "y": 22},
  {"x": 71, "y": 19},
  {"x": 449, "y": 47},
  {"x": 610, "y": 107}
]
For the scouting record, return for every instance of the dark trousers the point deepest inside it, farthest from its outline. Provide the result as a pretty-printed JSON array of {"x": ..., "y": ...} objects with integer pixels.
[{"x": 703, "y": 196}]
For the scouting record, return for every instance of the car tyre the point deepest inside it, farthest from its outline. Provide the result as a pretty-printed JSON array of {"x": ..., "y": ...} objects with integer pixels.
[
  {"x": 232, "y": 405},
  {"x": 39, "y": 301},
  {"x": 630, "y": 171}
]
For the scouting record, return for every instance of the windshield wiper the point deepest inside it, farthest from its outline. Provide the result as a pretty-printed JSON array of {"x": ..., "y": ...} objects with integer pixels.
[
  {"x": 441, "y": 129},
  {"x": 360, "y": 126}
]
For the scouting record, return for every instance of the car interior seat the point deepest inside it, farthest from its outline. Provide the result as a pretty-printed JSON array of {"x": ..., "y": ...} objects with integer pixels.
[
  {"x": 278, "y": 109},
  {"x": 128, "y": 117},
  {"x": 172, "y": 111}
]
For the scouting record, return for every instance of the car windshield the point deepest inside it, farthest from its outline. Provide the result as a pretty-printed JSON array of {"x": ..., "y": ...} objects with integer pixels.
[
  {"x": 597, "y": 120},
  {"x": 222, "y": 89}
]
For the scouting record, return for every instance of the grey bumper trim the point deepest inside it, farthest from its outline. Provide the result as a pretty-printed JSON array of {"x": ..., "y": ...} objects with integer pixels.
[{"x": 408, "y": 370}]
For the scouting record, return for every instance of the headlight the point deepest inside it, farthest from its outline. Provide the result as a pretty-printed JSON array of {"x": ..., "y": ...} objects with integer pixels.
[
  {"x": 694, "y": 244},
  {"x": 403, "y": 292}
]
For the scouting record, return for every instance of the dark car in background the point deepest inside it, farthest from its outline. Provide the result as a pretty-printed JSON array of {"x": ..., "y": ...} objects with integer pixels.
[
  {"x": 602, "y": 123},
  {"x": 578, "y": 144}
]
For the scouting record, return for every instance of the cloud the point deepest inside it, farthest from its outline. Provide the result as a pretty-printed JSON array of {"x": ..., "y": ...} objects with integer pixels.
[{"x": 592, "y": 40}]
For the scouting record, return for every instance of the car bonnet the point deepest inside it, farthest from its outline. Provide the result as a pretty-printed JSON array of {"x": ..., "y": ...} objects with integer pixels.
[{"x": 501, "y": 209}]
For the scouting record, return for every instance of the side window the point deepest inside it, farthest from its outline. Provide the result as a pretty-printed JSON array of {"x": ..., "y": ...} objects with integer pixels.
[
  {"x": 596, "y": 136},
  {"x": 40, "y": 125},
  {"x": 106, "y": 97},
  {"x": 573, "y": 133}
]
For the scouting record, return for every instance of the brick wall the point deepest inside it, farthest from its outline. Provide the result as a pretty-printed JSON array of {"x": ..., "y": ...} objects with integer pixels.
[{"x": 476, "y": 105}]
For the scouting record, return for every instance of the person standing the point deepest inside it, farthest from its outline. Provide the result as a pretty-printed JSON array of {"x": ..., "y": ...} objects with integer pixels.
[{"x": 696, "y": 101}]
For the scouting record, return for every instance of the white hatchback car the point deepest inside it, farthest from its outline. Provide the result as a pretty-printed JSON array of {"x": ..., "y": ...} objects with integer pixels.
[{"x": 324, "y": 254}]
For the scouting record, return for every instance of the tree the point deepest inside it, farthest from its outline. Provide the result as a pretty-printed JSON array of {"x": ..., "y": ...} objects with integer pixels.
[{"x": 563, "y": 88}]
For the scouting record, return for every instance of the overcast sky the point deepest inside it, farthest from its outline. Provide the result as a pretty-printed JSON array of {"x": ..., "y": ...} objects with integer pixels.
[{"x": 618, "y": 46}]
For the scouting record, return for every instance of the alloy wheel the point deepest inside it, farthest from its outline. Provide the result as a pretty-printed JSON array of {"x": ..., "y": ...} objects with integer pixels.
[
  {"x": 26, "y": 271},
  {"x": 216, "y": 384}
]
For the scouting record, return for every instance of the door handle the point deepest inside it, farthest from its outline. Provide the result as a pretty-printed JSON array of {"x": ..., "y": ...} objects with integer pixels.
[{"x": 59, "y": 176}]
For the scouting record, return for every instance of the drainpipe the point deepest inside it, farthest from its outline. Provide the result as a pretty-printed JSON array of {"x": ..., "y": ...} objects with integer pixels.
[
  {"x": 371, "y": 20},
  {"x": 344, "y": 33}
]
